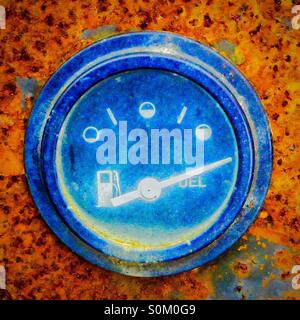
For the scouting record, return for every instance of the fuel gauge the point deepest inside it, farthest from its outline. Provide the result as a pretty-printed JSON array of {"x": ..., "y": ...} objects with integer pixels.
[{"x": 156, "y": 156}]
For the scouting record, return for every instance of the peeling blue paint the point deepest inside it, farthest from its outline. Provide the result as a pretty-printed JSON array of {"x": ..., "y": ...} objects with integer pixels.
[
  {"x": 227, "y": 46},
  {"x": 99, "y": 32},
  {"x": 28, "y": 87},
  {"x": 232, "y": 287},
  {"x": 231, "y": 50}
]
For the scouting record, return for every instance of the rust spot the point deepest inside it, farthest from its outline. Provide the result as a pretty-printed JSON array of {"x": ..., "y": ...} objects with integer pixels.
[{"x": 207, "y": 21}]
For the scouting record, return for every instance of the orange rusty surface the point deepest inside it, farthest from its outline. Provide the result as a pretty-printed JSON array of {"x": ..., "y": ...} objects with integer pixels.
[{"x": 41, "y": 35}]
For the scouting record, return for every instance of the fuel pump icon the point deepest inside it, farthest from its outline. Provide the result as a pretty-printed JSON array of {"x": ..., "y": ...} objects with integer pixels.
[{"x": 108, "y": 187}]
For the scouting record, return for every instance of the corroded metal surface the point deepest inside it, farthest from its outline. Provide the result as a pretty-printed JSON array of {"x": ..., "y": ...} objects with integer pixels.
[{"x": 256, "y": 36}]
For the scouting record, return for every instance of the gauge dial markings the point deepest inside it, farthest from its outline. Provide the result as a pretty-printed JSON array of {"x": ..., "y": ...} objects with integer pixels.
[
  {"x": 111, "y": 116},
  {"x": 181, "y": 115}
]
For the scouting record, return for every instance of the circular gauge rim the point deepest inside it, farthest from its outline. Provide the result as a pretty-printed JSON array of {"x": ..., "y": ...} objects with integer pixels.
[
  {"x": 233, "y": 112},
  {"x": 169, "y": 45}
]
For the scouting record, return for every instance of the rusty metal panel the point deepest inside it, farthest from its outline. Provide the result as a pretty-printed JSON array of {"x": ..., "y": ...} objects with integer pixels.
[{"x": 260, "y": 37}]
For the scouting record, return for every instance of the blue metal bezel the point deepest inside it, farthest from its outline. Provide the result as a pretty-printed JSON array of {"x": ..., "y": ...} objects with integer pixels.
[{"x": 114, "y": 52}]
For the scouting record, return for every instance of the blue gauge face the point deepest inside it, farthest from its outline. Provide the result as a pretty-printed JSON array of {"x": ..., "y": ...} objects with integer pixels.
[{"x": 147, "y": 160}]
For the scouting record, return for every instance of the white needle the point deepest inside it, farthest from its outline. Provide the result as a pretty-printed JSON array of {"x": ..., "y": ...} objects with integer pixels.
[
  {"x": 153, "y": 188},
  {"x": 173, "y": 180}
]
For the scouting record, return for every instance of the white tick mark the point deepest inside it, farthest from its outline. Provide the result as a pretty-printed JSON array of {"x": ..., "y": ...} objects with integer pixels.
[
  {"x": 181, "y": 115},
  {"x": 111, "y": 116}
]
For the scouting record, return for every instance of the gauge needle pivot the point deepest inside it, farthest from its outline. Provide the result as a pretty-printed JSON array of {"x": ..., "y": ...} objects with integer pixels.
[{"x": 150, "y": 188}]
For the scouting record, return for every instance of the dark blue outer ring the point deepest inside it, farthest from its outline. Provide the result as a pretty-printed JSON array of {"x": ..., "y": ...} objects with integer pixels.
[{"x": 173, "y": 46}]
